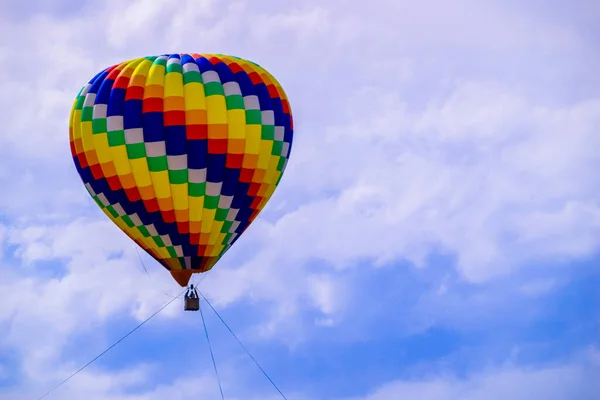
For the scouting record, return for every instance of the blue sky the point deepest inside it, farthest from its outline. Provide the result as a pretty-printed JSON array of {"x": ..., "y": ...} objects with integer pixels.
[{"x": 435, "y": 236}]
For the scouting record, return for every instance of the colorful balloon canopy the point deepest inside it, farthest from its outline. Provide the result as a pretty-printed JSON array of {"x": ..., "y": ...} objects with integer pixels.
[{"x": 182, "y": 152}]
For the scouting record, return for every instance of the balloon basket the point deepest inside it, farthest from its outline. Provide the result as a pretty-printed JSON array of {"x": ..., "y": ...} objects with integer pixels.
[{"x": 191, "y": 304}]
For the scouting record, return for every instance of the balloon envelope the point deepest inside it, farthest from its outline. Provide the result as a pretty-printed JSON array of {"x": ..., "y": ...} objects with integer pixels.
[{"x": 182, "y": 152}]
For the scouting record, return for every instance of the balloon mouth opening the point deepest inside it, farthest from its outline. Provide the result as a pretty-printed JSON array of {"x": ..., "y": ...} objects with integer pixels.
[{"x": 182, "y": 276}]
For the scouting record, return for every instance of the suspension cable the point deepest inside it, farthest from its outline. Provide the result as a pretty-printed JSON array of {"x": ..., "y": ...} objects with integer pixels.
[
  {"x": 109, "y": 348},
  {"x": 241, "y": 344},
  {"x": 148, "y": 274},
  {"x": 211, "y": 353}
]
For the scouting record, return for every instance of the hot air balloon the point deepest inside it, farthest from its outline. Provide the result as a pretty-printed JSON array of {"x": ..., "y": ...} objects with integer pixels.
[{"x": 182, "y": 152}]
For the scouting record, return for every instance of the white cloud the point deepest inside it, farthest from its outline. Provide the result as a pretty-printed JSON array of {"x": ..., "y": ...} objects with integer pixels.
[
  {"x": 302, "y": 24},
  {"x": 575, "y": 379},
  {"x": 561, "y": 382},
  {"x": 539, "y": 286},
  {"x": 472, "y": 168},
  {"x": 2, "y": 238},
  {"x": 124, "y": 385},
  {"x": 103, "y": 279},
  {"x": 131, "y": 24},
  {"x": 494, "y": 179},
  {"x": 398, "y": 151}
]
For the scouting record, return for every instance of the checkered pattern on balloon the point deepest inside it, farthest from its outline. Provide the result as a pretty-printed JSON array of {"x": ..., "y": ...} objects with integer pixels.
[{"x": 182, "y": 152}]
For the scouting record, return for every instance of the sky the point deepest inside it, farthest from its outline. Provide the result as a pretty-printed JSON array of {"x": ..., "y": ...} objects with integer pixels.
[{"x": 436, "y": 234}]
